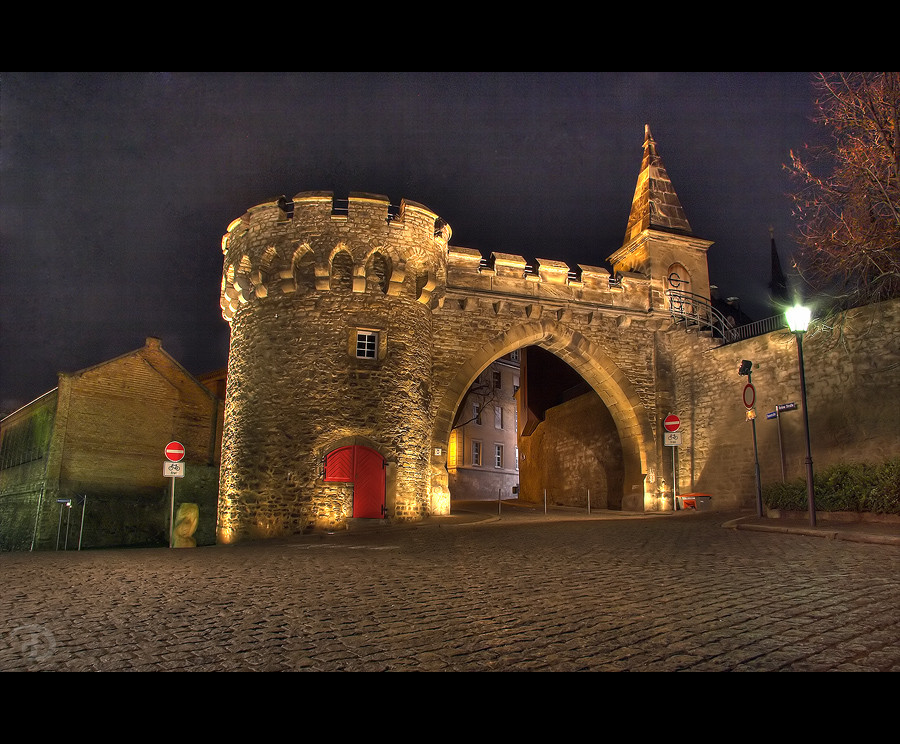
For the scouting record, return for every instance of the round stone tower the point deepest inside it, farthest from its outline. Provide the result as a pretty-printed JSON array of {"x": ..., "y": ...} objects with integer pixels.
[{"x": 328, "y": 408}]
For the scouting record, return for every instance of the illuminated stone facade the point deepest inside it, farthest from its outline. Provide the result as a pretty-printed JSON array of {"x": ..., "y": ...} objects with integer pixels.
[
  {"x": 93, "y": 448},
  {"x": 305, "y": 280},
  {"x": 482, "y": 460}
]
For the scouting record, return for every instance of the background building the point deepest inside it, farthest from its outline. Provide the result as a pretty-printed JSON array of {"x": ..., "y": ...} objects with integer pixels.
[
  {"x": 83, "y": 463},
  {"x": 482, "y": 459}
]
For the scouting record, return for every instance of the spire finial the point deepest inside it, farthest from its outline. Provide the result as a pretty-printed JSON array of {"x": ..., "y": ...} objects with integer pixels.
[{"x": 655, "y": 204}]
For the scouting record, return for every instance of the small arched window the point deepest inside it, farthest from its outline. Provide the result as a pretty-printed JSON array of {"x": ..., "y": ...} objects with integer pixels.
[{"x": 342, "y": 272}]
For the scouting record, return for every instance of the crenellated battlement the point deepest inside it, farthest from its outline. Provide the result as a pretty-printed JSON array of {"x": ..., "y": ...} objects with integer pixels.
[
  {"x": 547, "y": 280},
  {"x": 315, "y": 242}
]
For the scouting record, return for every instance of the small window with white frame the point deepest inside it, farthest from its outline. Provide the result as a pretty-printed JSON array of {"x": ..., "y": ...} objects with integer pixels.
[
  {"x": 498, "y": 417},
  {"x": 366, "y": 344},
  {"x": 498, "y": 455},
  {"x": 476, "y": 453}
]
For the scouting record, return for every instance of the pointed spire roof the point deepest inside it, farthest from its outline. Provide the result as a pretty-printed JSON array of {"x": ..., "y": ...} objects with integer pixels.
[
  {"x": 778, "y": 284},
  {"x": 655, "y": 204}
]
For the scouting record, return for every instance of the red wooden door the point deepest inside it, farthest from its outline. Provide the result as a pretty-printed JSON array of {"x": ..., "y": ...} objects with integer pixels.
[{"x": 364, "y": 468}]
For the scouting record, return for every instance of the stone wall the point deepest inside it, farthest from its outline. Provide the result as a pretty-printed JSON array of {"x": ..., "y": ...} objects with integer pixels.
[
  {"x": 110, "y": 425},
  {"x": 852, "y": 377},
  {"x": 573, "y": 455},
  {"x": 301, "y": 277},
  {"x": 296, "y": 389}
]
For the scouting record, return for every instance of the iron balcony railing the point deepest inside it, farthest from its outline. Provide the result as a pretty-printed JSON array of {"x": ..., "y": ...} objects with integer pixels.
[{"x": 697, "y": 313}]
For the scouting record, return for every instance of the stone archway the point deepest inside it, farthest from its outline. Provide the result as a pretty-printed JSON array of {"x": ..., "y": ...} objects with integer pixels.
[{"x": 588, "y": 360}]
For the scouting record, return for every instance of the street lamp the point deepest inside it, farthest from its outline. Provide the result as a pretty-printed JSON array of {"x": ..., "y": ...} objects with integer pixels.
[{"x": 798, "y": 321}]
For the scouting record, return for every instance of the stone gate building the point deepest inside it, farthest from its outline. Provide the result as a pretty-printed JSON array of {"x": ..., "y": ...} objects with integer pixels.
[{"x": 357, "y": 329}]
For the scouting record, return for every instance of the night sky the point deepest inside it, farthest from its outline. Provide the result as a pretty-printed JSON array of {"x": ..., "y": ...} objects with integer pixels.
[{"x": 116, "y": 188}]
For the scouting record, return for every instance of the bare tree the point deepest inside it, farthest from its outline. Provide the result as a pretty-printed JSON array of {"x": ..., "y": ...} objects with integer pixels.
[
  {"x": 482, "y": 394},
  {"x": 847, "y": 203}
]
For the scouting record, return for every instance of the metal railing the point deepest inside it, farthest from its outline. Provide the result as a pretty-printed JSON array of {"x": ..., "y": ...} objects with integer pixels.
[
  {"x": 696, "y": 312},
  {"x": 758, "y": 328}
]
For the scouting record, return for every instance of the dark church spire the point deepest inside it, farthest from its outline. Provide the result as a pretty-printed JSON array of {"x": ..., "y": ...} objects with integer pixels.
[
  {"x": 778, "y": 289},
  {"x": 655, "y": 204}
]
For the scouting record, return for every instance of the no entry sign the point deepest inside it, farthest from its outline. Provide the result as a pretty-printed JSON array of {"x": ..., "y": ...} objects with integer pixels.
[
  {"x": 672, "y": 422},
  {"x": 749, "y": 396},
  {"x": 175, "y": 451}
]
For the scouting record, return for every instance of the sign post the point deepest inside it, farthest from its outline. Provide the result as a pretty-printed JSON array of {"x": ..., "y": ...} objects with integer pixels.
[
  {"x": 749, "y": 398},
  {"x": 776, "y": 414},
  {"x": 672, "y": 438},
  {"x": 173, "y": 469}
]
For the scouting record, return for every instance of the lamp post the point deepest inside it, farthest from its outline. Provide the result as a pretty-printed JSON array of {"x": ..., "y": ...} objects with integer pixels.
[{"x": 798, "y": 321}]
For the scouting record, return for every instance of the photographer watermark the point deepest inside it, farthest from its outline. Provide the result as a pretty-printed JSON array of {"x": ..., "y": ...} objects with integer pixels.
[{"x": 34, "y": 641}]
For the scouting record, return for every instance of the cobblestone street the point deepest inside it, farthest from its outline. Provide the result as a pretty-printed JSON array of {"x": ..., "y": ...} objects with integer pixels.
[{"x": 663, "y": 593}]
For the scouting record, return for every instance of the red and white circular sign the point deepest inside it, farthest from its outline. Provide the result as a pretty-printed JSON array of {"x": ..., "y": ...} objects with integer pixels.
[
  {"x": 749, "y": 396},
  {"x": 175, "y": 451},
  {"x": 672, "y": 422}
]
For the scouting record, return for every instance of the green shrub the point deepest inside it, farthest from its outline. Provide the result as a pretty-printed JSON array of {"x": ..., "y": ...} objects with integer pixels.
[{"x": 859, "y": 487}]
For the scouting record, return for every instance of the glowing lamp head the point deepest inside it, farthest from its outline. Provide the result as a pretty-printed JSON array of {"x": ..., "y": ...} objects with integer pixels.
[{"x": 798, "y": 318}]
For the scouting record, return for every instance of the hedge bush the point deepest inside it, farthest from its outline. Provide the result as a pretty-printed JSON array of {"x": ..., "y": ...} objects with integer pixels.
[{"x": 857, "y": 487}]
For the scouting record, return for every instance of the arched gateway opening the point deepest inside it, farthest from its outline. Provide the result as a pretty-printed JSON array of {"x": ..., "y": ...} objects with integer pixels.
[{"x": 599, "y": 372}]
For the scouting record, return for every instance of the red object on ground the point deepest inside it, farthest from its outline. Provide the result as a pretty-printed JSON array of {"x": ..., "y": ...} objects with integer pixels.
[{"x": 689, "y": 500}]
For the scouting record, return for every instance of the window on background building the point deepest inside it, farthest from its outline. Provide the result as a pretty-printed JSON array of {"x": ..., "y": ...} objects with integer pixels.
[
  {"x": 476, "y": 413},
  {"x": 453, "y": 450},
  {"x": 498, "y": 417},
  {"x": 498, "y": 455},
  {"x": 366, "y": 344},
  {"x": 476, "y": 453},
  {"x": 498, "y": 379}
]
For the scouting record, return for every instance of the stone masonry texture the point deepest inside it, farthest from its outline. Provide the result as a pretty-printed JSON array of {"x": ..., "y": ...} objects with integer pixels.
[{"x": 301, "y": 278}]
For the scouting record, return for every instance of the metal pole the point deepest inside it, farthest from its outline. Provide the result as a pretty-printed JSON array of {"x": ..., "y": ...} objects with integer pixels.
[
  {"x": 59, "y": 526},
  {"x": 810, "y": 488},
  {"x": 172, "y": 513},
  {"x": 674, "y": 479},
  {"x": 37, "y": 517},
  {"x": 780, "y": 442},
  {"x": 81, "y": 531},
  {"x": 68, "y": 522},
  {"x": 759, "y": 504},
  {"x": 589, "y": 500},
  {"x": 499, "y": 501},
  {"x": 545, "y": 501}
]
